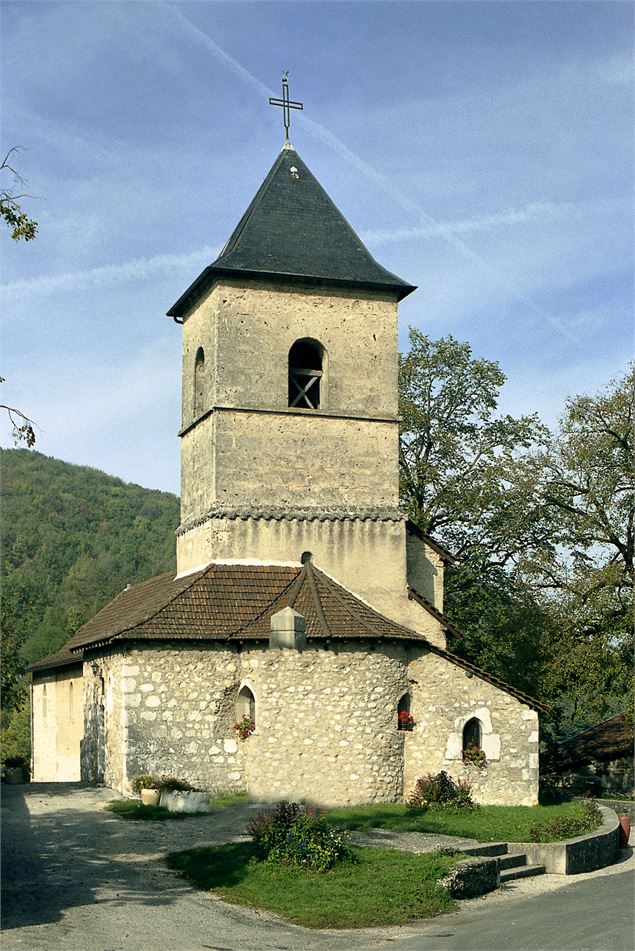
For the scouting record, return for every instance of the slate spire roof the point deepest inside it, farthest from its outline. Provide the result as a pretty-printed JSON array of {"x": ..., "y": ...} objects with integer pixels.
[{"x": 293, "y": 231}]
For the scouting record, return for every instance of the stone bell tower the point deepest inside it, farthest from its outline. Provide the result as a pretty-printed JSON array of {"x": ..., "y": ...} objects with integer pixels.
[{"x": 290, "y": 430}]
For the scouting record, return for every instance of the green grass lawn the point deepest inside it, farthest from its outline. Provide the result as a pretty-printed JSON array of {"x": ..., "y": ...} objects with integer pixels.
[
  {"x": 135, "y": 810},
  {"x": 381, "y": 887},
  {"x": 486, "y": 824}
]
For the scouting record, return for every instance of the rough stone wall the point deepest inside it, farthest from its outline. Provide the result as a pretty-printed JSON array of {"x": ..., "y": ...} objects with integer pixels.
[
  {"x": 180, "y": 707},
  {"x": 57, "y": 725},
  {"x": 304, "y": 459},
  {"x": 255, "y": 450},
  {"x": 444, "y": 699},
  {"x": 103, "y": 745},
  {"x": 326, "y": 723},
  {"x": 326, "y": 720},
  {"x": 256, "y": 325}
]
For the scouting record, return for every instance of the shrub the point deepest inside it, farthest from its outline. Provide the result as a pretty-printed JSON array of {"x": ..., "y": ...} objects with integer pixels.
[
  {"x": 566, "y": 826},
  {"x": 292, "y": 836},
  {"x": 167, "y": 783},
  {"x": 171, "y": 784},
  {"x": 14, "y": 762},
  {"x": 440, "y": 791}
]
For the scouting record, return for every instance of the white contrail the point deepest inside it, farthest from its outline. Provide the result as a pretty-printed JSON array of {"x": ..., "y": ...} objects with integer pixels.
[
  {"x": 328, "y": 138},
  {"x": 534, "y": 210}
]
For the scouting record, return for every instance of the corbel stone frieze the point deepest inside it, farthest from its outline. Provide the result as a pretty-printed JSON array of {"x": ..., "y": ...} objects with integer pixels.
[{"x": 287, "y": 514}]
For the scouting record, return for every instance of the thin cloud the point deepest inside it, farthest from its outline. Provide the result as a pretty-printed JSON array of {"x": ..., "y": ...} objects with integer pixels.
[{"x": 135, "y": 270}]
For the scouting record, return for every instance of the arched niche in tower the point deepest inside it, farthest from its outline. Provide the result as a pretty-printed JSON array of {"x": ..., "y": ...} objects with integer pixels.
[
  {"x": 307, "y": 361},
  {"x": 199, "y": 382}
]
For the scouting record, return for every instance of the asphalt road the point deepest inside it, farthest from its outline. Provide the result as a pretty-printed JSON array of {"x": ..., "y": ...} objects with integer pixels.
[{"x": 76, "y": 878}]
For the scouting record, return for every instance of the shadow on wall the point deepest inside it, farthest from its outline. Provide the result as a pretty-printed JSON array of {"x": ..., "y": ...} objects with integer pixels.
[{"x": 67, "y": 858}]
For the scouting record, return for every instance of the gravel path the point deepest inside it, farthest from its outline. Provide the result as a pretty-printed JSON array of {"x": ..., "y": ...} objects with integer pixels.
[{"x": 77, "y": 878}]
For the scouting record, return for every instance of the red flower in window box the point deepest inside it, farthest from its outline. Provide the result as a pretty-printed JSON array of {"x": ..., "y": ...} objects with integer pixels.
[
  {"x": 245, "y": 727},
  {"x": 474, "y": 754},
  {"x": 406, "y": 721}
]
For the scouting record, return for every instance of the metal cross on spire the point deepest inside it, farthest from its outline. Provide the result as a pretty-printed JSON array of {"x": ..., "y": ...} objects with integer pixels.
[{"x": 287, "y": 104}]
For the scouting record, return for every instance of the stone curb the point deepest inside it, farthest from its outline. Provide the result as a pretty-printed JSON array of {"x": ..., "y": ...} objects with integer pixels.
[
  {"x": 472, "y": 877},
  {"x": 584, "y": 853}
]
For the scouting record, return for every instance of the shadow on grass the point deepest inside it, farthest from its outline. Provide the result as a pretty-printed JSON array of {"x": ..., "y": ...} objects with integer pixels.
[{"x": 214, "y": 867}]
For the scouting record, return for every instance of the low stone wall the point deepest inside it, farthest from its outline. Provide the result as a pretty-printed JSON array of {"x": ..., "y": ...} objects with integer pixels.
[
  {"x": 472, "y": 877},
  {"x": 585, "y": 853},
  {"x": 186, "y": 801}
]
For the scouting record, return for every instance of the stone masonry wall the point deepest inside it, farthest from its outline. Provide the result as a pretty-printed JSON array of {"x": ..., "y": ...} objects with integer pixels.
[
  {"x": 326, "y": 722},
  {"x": 180, "y": 707},
  {"x": 259, "y": 449},
  {"x": 103, "y": 745},
  {"x": 445, "y": 697}
]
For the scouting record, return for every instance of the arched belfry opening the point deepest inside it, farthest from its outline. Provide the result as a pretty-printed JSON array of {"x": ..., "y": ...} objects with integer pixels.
[
  {"x": 306, "y": 374},
  {"x": 199, "y": 382}
]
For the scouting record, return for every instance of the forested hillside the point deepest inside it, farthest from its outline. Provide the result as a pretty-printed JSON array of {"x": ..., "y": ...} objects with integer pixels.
[{"x": 72, "y": 538}]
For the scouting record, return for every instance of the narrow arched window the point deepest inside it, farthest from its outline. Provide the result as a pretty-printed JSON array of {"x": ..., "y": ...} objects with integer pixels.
[
  {"x": 306, "y": 359},
  {"x": 245, "y": 704},
  {"x": 45, "y": 704},
  {"x": 199, "y": 382},
  {"x": 71, "y": 711},
  {"x": 472, "y": 735},
  {"x": 405, "y": 720}
]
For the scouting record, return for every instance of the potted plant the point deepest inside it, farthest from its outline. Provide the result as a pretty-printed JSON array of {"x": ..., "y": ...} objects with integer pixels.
[{"x": 148, "y": 787}]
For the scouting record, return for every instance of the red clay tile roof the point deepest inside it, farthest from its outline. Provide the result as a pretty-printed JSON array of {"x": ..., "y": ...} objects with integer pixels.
[
  {"x": 61, "y": 658},
  {"x": 236, "y": 601}
]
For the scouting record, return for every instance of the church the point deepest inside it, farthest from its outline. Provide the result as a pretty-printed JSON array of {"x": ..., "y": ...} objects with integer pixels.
[{"x": 299, "y": 650}]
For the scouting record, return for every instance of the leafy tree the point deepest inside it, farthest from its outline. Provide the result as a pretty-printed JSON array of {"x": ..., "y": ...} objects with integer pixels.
[
  {"x": 23, "y": 227},
  {"x": 461, "y": 481},
  {"x": 458, "y": 458},
  {"x": 585, "y": 475}
]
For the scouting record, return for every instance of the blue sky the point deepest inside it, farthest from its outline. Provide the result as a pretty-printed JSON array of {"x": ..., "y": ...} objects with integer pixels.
[{"x": 482, "y": 150}]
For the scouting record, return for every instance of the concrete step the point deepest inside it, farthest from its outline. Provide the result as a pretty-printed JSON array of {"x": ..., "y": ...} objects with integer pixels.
[
  {"x": 494, "y": 848},
  {"x": 524, "y": 871},
  {"x": 512, "y": 861}
]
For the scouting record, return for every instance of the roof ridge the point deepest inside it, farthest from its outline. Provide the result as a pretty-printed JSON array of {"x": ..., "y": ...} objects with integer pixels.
[
  {"x": 254, "y": 204},
  {"x": 254, "y": 620},
  {"x": 333, "y": 585},
  {"x": 316, "y": 597}
]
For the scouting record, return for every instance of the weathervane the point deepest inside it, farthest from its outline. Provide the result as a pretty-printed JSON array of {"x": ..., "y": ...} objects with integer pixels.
[{"x": 287, "y": 104}]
